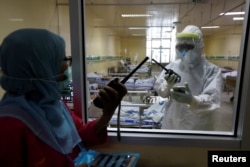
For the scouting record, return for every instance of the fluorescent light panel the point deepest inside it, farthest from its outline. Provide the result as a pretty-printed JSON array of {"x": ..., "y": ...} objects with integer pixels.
[
  {"x": 204, "y": 27},
  {"x": 137, "y": 28},
  {"x": 238, "y": 18},
  {"x": 136, "y": 15},
  {"x": 232, "y": 13}
]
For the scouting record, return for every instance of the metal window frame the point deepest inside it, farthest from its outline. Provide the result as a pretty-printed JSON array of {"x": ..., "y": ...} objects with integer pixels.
[{"x": 239, "y": 140}]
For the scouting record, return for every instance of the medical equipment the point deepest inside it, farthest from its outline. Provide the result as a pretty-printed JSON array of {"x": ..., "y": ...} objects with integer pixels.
[{"x": 180, "y": 89}]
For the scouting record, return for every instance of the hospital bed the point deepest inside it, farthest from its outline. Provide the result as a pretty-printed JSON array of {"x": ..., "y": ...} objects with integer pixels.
[
  {"x": 134, "y": 83},
  {"x": 229, "y": 78},
  {"x": 135, "y": 115}
]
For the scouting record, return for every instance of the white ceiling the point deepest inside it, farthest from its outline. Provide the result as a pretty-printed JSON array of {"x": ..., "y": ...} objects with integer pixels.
[
  {"x": 166, "y": 13},
  {"x": 107, "y": 13}
]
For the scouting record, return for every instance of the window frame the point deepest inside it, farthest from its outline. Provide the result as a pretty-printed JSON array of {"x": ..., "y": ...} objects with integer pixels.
[{"x": 242, "y": 95}]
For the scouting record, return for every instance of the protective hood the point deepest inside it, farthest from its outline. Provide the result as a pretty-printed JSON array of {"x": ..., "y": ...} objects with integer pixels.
[
  {"x": 31, "y": 60},
  {"x": 189, "y": 46}
]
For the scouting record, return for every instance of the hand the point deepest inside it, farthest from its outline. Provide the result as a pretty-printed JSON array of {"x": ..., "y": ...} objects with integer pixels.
[
  {"x": 110, "y": 99},
  {"x": 171, "y": 79},
  {"x": 186, "y": 97}
]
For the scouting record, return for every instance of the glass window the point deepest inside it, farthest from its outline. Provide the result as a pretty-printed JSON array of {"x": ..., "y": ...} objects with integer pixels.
[
  {"x": 109, "y": 49},
  {"x": 141, "y": 108}
]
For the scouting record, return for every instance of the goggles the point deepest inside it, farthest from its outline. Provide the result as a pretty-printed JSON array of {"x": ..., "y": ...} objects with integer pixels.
[
  {"x": 186, "y": 41},
  {"x": 184, "y": 47},
  {"x": 68, "y": 60}
]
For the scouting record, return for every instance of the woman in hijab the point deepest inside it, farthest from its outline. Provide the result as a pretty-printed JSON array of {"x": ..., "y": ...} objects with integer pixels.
[{"x": 36, "y": 127}]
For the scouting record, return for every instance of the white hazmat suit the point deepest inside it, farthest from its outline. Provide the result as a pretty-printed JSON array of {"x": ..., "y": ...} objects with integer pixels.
[{"x": 194, "y": 109}]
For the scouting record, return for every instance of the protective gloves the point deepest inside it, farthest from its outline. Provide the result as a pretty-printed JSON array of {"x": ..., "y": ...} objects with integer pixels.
[
  {"x": 171, "y": 80},
  {"x": 186, "y": 97}
]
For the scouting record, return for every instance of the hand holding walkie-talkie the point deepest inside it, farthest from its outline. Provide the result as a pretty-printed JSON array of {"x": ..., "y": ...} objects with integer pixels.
[
  {"x": 114, "y": 84},
  {"x": 99, "y": 101},
  {"x": 169, "y": 71}
]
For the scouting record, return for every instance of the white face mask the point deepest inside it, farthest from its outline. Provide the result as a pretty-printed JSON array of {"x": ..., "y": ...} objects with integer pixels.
[{"x": 64, "y": 83}]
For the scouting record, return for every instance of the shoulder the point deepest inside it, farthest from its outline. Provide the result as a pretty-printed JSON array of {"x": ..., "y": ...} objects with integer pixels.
[
  {"x": 15, "y": 136},
  {"x": 174, "y": 63},
  {"x": 13, "y": 127},
  {"x": 213, "y": 67}
]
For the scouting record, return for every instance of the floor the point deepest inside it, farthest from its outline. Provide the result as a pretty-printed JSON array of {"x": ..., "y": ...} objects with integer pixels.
[{"x": 224, "y": 120}]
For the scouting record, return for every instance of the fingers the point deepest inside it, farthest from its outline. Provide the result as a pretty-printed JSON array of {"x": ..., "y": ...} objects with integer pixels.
[
  {"x": 112, "y": 93},
  {"x": 166, "y": 77},
  {"x": 175, "y": 93},
  {"x": 108, "y": 95},
  {"x": 187, "y": 87},
  {"x": 172, "y": 79},
  {"x": 122, "y": 90},
  {"x": 182, "y": 97}
]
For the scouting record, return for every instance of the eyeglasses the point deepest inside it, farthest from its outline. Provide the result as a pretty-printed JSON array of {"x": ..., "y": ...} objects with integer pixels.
[{"x": 67, "y": 59}]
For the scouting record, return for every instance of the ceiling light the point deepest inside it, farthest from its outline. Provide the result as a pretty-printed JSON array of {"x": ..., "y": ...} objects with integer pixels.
[
  {"x": 136, "y": 15},
  {"x": 232, "y": 13},
  {"x": 238, "y": 18},
  {"x": 137, "y": 28},
  {"x": 210, "y": 27}
]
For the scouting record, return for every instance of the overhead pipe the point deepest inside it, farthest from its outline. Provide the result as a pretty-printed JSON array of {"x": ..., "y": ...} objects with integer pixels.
[{"x": 151, "y": 3}]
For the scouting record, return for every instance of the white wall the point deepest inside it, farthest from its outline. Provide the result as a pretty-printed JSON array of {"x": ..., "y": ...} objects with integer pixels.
[{"x": 226, "y": 43}]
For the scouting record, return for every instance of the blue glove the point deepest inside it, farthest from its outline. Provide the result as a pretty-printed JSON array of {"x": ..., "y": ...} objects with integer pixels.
[{"x": 186, "y": 97}]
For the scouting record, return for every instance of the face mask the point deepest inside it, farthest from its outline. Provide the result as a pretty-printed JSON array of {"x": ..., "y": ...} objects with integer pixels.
[
  {"x": 63, "y": 84},
  {"x": 189, "y": 59}
]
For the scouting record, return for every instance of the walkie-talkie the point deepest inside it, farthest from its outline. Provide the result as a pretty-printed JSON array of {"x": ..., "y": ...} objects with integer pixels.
[
  {"x": 168, "y": 71},
  {"x": 115, "y": 81}
]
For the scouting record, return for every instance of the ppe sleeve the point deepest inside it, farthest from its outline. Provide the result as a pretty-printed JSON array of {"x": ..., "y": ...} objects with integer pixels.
[
  {"x": 161, "y": 86},
  {"x": 209, "y": 99}
]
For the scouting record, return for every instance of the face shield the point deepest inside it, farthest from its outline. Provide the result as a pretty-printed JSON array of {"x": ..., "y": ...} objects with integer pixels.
[{"x": 189, "y": 48}]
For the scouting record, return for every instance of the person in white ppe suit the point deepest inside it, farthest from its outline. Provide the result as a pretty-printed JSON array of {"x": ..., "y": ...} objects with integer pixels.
[{"x": 194, "y": 107}]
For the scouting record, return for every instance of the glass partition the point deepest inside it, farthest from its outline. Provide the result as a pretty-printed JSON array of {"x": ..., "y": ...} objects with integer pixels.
[{"x": 116, "y": 44}]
